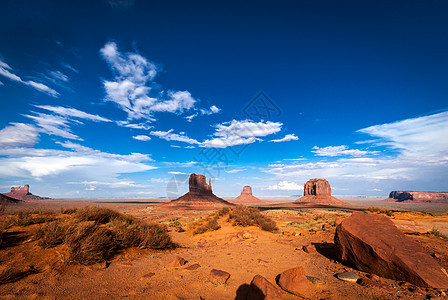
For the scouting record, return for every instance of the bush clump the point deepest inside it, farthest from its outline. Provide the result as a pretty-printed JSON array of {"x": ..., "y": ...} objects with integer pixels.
[
  {"x": 250, "y": 216},
  {"x": 210, "y": 225},
  {"x": 376, "y": 210},
  {"x": 94, "y": 234}
]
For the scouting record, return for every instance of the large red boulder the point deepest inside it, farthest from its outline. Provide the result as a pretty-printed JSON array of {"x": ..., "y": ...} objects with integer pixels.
[
  {"x": 294, "y": 281},
  {"x": 373, "y": 244}
]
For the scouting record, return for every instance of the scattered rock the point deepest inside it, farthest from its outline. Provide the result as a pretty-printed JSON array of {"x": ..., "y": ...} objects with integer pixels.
[
  {"x": 374, "y": 277},
  {"x": 244, "y": 235},
  {"x": 148, "y": 275},
  {"x": 348, "y": 276},
  {"x": 373, "y": 244},
  {"x": 176, "y": 262},
  {"x": 219, "y": 277},
  {"x": 313, "y": 279},
  {"x": 247, "y": 197},
  {"x": 326, "y": 226},
  {"x": 262, "y": 289},
  {"x": 295, "y": 282},
  {"x": 193, "y": 267},
  {"x": 370, "y": 284},
  {"x": 310, "y": 249}
]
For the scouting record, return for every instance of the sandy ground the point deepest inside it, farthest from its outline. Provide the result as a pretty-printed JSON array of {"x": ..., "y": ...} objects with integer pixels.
[{"x": 144, "y": 274}]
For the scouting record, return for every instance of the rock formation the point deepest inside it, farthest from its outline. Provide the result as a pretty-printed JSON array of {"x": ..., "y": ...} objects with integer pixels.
[
  {"x": 373, "y": 244},
  {"x": 6, "y": 199},
  {"x": 23, "y": 193},
  {"x": 317, "y": 191},
  {"x": 246, "y": 196},
  {"x": 418, "y": 197},
  {"x": 200, "y": 196}
]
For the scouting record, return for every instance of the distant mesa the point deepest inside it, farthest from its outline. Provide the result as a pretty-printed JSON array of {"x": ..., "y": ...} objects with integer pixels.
[
  {"x": 418, "y": 197},
  {"x": 200, "y": 196},
  {"x": 22, "y": 193},
  {"x": 318, "y": 191},
  {"x": 246, "y": 196}
]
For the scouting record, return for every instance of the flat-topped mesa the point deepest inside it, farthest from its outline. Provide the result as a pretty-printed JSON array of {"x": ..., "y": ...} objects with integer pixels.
[
  {"x": 418, "y": 197},
  {"x": 317, "y": 191},
  {"x": 198, "y": 185},
  {"x": 199, "y": 197},
  {"x": 246, "y": 196},
  {"x": 21, "y": 189},
  {"x": 317, "y": 187}
]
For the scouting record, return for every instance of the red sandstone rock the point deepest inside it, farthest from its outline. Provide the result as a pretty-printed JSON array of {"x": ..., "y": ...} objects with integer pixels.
[
  {"x": 200, "y": 196},
  {"x": 418, "y": 197},
  {"x": 219, "y": 276},
  {"x": 295, "y": 282},
  {"x": 373, "y": 244},
  {"x": 176, "y": 262},
  {"x": 247, "y": 197},
  {"x": 318, "y": 192},
  {"x": 262, "y": 289},
  {"x": 23, "y": 193}
]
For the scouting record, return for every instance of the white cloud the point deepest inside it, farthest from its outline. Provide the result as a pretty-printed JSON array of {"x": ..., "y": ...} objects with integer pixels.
[
  {"x": 72, "y": 112},
  {"x": 133, "y": 87},
  {"x": 53, "y": 125},
  {"x": 81, "y": 162},
  {"x": 240, "y": 132},
  {"x": 1, "y": 83},
  {"x": 332, "y": 151},
  {"x": 70, "y": 67},
  {"x": 58, "y": 76},
  {"x": 5, "y": 70},
  {"x": 426, "y": 135},
  {"x": 235, "y": 171},
  {"x": 285, "y": 186},
  {"x": 144, "y": 126},
  {"x": 170, "y": 136},
  {"x": 143, "y": 138},
  {"x": 178, "y": 173},
  {"x": 18, "y": 135},
  {"x": 213, "y": 110},
  {"x": 288, "y": 137}
]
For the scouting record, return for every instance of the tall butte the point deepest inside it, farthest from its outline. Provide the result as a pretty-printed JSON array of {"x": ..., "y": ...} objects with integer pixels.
[
  {"x": 318, "y": 191},
  {"x": 200, "y": 196},
  {"x": 246, "y": 196}
]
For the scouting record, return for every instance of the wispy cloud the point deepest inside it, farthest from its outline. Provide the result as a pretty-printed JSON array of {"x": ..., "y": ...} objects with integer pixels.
[
  {"x": 170, "y": 136},
  {"x": 235, "y": 171},
  {"x": 18, "y": 135},
  {"x": 212, "y": 110},
  {"x": 177, "y": 173},
  {"x": 53, "y": 125},
  {"x": 332, "y": 151},
  {"x": 143, "y": 138},
  {"x": 68, "y": 66},
  {"x": 73, "y": 112},
  {"x": 6, "y": 71},
  {"x": 288, "y": 137},
  {"x": 133, "y": 87}
]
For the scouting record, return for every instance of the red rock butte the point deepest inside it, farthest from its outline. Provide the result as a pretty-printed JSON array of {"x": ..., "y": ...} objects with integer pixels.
[
  {"x": 246, "y": 196},
  {"x": 23, "y": 193},
  {"x": 199, "y": 197},
  {"x": 318, "y": 191},
  {"x": 418, "y": 197}
]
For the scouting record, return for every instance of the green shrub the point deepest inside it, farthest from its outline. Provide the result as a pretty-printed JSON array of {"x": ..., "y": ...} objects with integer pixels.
[
  {"x": 210, "y": 225},
  {"x": 250, "y": 216}
]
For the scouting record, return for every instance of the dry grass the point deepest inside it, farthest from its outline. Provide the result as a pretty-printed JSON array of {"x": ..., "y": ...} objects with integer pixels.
[
  {"x": 376, "y": 210},
  {"x": 94, "y": 234},
  {"x": 250, "y": 216},
  {"x": 11, "y": 275},
  {"x": 210, "y": 225},
  {"x": 437, "y": 232}
]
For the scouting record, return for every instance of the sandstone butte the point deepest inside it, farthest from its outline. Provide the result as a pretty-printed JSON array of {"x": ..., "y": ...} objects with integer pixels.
[
  {"x": 246, "y": 196},
  {"x": 418, "y": 197},
  {"x": 23, "y": 193},
  {"x": 318, "y": 191},
  {"x": 373, "y": 244},
  {"x": 200, "y": 196}
]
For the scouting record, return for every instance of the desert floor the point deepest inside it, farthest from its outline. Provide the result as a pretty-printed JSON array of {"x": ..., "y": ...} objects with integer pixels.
[{"x": 241, "y": 251}]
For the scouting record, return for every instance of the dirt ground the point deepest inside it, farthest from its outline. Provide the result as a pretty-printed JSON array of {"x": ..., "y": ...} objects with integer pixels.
[{"x": 241, "y": 251}]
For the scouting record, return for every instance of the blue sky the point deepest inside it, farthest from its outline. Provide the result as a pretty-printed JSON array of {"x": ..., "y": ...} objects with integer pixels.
[{"x": 125, "y": 98}]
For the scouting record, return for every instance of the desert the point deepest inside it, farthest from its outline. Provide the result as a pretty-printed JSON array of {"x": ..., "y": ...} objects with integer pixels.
[{"x": 141, "y": 250}]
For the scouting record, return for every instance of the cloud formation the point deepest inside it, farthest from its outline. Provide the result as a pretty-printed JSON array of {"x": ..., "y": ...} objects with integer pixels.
[
  {"x": 143, "y": 138},
  {"x": 285, "y": 186},
  {"x": 332, "y": 151},
  {"x": 287, "y": 138},
  {"x": 6, "y": 71},
  {"x": 133, "y": 87},
  {"x": 18, "y": 135},
  {"x": 170, "y": 136}
]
